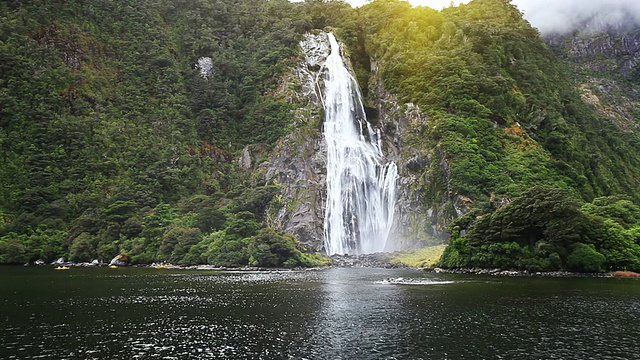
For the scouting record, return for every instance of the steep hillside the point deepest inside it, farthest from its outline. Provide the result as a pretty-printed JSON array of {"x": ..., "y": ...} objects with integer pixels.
[
  {"x": 119, "y": 124},
  {"x": 191, "y": 132},
  {"x": 504, "y": 116},
  {"x": 605, "y": 60}
]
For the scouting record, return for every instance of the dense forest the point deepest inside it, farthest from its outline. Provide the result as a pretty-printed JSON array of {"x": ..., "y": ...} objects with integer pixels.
[
  {"x": 554, "y": 184},
  {"x": 121, "y": 123},
  {"x": 113, "y": 142}
]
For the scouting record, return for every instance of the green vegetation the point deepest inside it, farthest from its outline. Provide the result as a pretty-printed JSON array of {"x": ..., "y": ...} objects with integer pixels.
[
  {"x": 503, "y": 118},
  {"x": 419, "y": 258},
  {"x": 201, "y": 229},
  {"x": 547, "y": 229},
  {"x": 112, "y": 141},
  {"x": 500, "y": 106}
]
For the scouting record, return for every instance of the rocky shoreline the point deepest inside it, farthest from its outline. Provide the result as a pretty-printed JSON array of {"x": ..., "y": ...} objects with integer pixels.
[
  {"x": 98, "y": 264},
  {"x": 385, "y": 260},
  {"x": 514, "y": 273},
  {"x": 378, "y": 260}
]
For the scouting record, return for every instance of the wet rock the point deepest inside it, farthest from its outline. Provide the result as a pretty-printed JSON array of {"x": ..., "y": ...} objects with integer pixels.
[
  {"x": 377, "y": 260},
  {"x": 39, "y": 262},
  {"x": 316, "y": 48},
  {"x": 298, "y": 163},
  {"x": 416, "y": 164},
  {"x": 418, "y": 220},
  {"x": 120, "y": 260},
  {"x": 60, "y": 261}
]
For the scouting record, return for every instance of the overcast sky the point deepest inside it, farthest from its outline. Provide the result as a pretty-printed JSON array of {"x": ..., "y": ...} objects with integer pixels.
[
  {"x": 562, "y": 15},
  {"x": 553, "y": 15}
]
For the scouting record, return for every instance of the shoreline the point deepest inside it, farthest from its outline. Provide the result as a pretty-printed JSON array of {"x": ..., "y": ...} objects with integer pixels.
[
  {"x": 518, "y": 273},
  {"x": 435, "y": 270}
]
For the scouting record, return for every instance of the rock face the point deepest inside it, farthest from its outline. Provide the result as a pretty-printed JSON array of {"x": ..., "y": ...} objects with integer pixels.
[
  {"x": 410, "y": 220},
  {"x": 120, "y": 260},
  {"x": 298, "y": 161},
  {"x": 420, "y": 220},
  {"x": 615, "y": 100},
  {"x": 607, "y": 54},
  {"x": 594, "y": 50}
]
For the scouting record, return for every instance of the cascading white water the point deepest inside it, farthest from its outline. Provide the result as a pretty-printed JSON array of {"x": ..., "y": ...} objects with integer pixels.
[{"x": 361, "y": 190}]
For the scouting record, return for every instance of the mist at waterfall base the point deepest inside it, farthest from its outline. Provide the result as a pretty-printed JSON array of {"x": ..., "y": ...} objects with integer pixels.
[{"x": 361, "y": 189}]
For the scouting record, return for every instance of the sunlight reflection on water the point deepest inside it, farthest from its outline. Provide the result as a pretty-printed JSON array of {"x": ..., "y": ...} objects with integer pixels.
[{"x": 329, "y": 314}]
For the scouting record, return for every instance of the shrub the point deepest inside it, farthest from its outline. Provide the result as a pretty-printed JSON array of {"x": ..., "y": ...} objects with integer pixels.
[
  {"x": 269, "y": 248},
  {"x": 585, "y": 258},
  {"x": 12, "y": 251},
  {"x": 177, "y": 242},
  {"x": 82, "y": 248},
  {"x": 225, "y": 250},
  {"x": 455, "y": 255}
]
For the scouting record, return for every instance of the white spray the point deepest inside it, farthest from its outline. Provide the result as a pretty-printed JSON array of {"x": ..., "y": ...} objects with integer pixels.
[{"x": 361, "y": 189}]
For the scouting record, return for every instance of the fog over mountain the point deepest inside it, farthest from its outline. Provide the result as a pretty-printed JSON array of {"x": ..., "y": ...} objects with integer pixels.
[
  {"x": 554, "y": 16},
  {"x": 558, "y": 16}
]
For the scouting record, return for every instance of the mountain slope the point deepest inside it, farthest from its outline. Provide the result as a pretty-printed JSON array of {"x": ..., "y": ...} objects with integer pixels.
[
  {"x": 121, "y": 125},
  {"x": 119, "y": 121},
  {"x": 504, "y": 116}
]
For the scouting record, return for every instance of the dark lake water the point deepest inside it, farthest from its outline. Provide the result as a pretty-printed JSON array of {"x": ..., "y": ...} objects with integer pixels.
[{"x": 329, "y": 314}]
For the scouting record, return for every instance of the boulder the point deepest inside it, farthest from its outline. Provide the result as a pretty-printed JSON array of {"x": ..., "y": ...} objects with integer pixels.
[
  {"x": 377, "y": 260},
  {"x": 120, "y": 260}
]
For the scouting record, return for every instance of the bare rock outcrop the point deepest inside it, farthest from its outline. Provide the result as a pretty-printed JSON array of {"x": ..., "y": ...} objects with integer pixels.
[{"x": 297, "y": 162}]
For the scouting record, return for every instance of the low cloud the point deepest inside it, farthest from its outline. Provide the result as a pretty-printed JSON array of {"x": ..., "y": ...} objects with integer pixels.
[
  {"x": 560, "y": 16},
  {"x": 557, "y": 16}
]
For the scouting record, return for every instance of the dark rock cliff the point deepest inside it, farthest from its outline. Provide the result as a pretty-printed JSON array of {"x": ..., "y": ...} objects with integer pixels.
[
  {"x": 611, "y": 50},
  {"x": 298, "y": 161},
  {"x": 419, "y": 221},
  {"x": 606, "y": 58}
]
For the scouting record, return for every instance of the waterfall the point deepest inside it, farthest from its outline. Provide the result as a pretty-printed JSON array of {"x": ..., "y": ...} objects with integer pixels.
[{"x": 361, "y": 188}]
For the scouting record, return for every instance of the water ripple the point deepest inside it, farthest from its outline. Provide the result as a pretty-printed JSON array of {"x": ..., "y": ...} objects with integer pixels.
[{"x": 333, "y": 314}]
